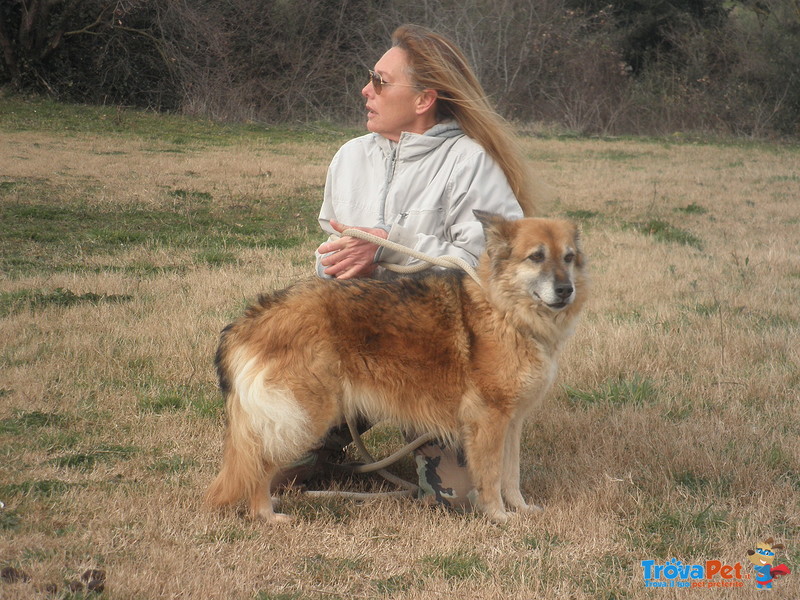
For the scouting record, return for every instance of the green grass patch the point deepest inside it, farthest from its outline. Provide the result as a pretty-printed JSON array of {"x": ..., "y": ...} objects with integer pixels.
[
  {"x": 459, "y": 565},
  {"x": 663, "y": 232},
  {"x": 9, "y": 519},
  {"x": 25, "y": 421},
  {"x": 692, "y": 209},
  {"x": 766, "y": 320},
  {"x": 34, "y": 300},
  {"x": 688, "y": 534},
  {"x": 777, "y": 458},
  {"x": 548, "y": 540},
  {"x": 704, "y": 309},
  {"x": 615, "y": 155},
  {"x": 215, "y": 258},
  {"x": 397, "y": 584},
  {"x": 58, "y": 439},
  {"x": 41, "y": 114},
  {"x": 171, "y": 465},
  {"x": 38, "y": 430},
  {"x": 43, "y": 488},
  {"x": 157, "y": 396},
  {"x": 636, "y": 391},
  {"x": 229, "y": 534},
  {"x": 163, "y": 402},
  {"x": 140, "y": 269},
  {"x": 334, "y": 510},
  {"x": 582, "y": 215},
  {"x": 208, "y": 405},
  {"x": 383, "y": 438},
  {"x": 630, "y": 316},
  {"x": 698, "y": 483},
  {"x": 783, "y": 178},
  {"x": 760, "y": 319},
  {"x": 48, "y": 237},
  {"x": 83, "y": 461},
  {"x": 191, "y": 196}
]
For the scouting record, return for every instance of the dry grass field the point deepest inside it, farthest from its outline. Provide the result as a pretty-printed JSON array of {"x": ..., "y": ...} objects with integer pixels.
[{"x": 127, "y": 241}]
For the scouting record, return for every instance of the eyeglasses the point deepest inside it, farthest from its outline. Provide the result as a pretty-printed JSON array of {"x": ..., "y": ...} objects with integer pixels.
[{"x": 377, "y": 82}]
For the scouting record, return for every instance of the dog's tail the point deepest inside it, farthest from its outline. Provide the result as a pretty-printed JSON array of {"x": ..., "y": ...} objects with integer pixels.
[
  {"x": 243, "y": 468},
  {"x": 267, "y": 427},
  {"x": 242, "y": 462}
]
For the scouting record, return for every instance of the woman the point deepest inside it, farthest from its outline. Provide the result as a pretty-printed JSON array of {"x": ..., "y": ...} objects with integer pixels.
[{"x": 436, "y": 151}]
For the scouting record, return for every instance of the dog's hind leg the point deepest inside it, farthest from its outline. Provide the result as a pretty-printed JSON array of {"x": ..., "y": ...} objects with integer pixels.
[
  {"x": 269, "y": 425},
  {"x": 511, "y": 492},
  {"x": 286, "y": 431},
  {"x": 261, "y": 500}
]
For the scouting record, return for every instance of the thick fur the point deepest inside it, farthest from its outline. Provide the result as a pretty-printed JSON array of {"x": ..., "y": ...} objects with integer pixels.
[{"x": 436, "y": 352}]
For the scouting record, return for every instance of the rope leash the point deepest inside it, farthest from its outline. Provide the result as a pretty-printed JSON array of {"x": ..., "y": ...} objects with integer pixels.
[
  {"x": 448, "y": 262},
  {"x": 371, "y": 462}
]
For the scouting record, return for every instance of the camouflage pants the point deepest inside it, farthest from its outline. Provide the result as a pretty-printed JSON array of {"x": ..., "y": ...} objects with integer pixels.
[
  {"x": 442, "y": 472},
  {"x": 444, "y": 478}
]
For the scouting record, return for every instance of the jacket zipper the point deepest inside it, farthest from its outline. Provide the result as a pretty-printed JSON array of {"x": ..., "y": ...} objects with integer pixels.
[{"x": 387, "y": 183}]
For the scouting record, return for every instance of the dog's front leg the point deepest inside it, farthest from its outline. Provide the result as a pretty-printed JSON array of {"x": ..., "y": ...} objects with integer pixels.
[
  {"x": 483, "y": 447},
  {"x": 511, "y": 491}
]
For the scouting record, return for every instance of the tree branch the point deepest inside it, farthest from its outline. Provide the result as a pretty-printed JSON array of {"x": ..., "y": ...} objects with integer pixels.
[{"x": 88, "y": 28}]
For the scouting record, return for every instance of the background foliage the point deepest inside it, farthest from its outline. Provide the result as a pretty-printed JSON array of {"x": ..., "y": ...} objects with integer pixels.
[{"x": 632, "y": 66}]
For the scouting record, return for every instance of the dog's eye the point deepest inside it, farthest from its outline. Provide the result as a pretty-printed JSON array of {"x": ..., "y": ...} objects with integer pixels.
[
  {"x": 569, "y": 257},
  {"x": 537, "y": 256}
]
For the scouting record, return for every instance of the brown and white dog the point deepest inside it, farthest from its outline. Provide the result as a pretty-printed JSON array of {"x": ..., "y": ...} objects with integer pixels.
[{"x": 437, "y": 352}]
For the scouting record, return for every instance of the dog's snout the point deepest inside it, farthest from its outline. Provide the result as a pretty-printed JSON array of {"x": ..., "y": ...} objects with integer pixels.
[{"x": 564, "y": 290}]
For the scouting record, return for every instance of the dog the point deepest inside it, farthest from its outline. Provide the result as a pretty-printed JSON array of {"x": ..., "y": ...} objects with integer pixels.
[{"x": 435, "y": 352}]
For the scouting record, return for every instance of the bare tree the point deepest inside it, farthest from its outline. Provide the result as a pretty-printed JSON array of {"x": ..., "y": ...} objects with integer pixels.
[{"x": 32, "y": 30}]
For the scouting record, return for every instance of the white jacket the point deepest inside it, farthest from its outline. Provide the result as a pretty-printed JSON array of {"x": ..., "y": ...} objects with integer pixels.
[{"x": 422, "y": 190}]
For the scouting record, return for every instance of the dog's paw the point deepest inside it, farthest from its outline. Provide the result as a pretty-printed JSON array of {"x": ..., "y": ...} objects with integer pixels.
[
  {"x": 499, "y": 517},
  {"x": 277, "y": 518},
  {"x": 272, "y": 518},
  {"x": 516, "y": 502}
]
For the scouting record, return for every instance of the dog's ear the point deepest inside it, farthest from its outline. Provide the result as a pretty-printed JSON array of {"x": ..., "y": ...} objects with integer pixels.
[
  {"x": 497, "y": 232},
  {"x": 488, "y": 219}
]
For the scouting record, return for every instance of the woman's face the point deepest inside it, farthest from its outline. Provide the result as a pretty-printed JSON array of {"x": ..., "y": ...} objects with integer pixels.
[{"x": 397, "y": 108}]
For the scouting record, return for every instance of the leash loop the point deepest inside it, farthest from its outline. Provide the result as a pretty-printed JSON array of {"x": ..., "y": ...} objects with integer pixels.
[{"x": 449, "y": 262}]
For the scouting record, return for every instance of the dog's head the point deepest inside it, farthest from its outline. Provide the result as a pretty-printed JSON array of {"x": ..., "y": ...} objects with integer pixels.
[
  {"x": 539, "y": 258},
  {"x": 764, "y": 554}
]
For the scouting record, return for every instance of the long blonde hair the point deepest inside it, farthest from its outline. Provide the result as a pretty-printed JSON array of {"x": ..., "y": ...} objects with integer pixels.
[{"x": 437, "y": 63}]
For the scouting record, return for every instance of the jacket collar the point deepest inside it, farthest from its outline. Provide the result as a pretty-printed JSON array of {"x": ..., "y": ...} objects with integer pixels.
[{"x": 415, "y": 145}]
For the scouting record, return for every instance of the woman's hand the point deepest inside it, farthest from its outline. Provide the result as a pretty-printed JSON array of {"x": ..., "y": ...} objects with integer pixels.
[{"x": 351, "y": 257}]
